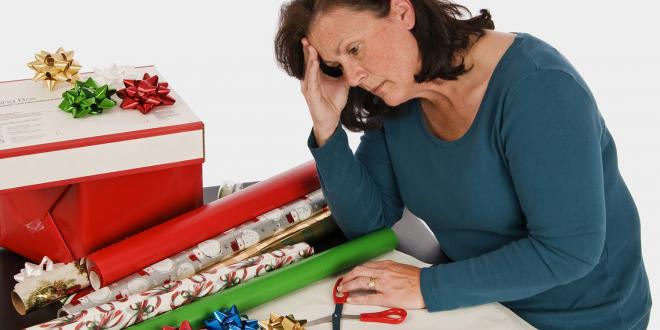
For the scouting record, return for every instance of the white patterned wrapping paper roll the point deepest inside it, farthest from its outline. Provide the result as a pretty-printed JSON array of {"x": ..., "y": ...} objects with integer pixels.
[
  {"x": 203, "y": 255},
  {"x": 230, "y": 187},
  {"x": 142, "y": 306}
]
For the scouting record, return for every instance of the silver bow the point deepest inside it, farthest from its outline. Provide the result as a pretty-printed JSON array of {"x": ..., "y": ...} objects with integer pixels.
[
  {"x": 34, "y": 270},
  {"x": 114, "y": 76}
]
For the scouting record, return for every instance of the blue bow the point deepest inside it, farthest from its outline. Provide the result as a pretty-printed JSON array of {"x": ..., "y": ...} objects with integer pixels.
[{"x": 230, "y": 319}]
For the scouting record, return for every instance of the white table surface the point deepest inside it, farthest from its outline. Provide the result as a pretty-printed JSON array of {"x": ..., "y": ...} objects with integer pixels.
[{"x": 315, "y": 301}]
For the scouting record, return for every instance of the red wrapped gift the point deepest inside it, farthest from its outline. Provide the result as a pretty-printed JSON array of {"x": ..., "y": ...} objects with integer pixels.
[{"x": 70, "y": 186}]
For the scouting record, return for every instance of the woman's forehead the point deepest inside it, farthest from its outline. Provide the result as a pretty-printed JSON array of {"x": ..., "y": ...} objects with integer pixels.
[
  {"x": 328, "y": 43},
  {"x": 329, "y": 29},
  {"x": 342, "y": 20}
]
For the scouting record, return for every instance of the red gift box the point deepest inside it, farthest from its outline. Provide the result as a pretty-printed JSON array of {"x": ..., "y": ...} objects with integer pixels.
[{"x": 69, "y": 187}]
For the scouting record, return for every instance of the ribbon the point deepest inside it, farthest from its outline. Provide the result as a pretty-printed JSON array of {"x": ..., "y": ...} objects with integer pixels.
[
  {"x": 34, "y": 270},
  {"x": 55, "y": 67},
  {"x": 230, "y": 319},
  {"x": 279, "y": 322},
  {"x": 185, "y": 325},
  {"x": 145, "y": 94},
  {"x": 87, "y": 98},
  {"x": 114, "y": 76}
]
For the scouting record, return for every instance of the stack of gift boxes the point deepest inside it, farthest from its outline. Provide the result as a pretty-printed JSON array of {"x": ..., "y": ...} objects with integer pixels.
[
  {"x": 101, "y": 189},
  {"x": 63, "y": 176}
]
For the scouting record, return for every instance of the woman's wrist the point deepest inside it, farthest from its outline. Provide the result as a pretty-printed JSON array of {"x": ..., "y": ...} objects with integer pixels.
[{"x": 323, "y": 134}]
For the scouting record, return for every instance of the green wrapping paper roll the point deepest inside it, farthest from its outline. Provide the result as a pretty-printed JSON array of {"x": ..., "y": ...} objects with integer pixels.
[{"x": 282, "y": 281}]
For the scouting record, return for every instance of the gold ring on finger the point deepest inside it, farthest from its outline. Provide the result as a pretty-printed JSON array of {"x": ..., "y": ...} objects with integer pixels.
[{"x": 372, "y": 284}]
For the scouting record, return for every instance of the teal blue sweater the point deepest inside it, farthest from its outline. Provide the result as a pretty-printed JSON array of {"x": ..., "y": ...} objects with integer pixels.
[{"x": 529, "y": 203}]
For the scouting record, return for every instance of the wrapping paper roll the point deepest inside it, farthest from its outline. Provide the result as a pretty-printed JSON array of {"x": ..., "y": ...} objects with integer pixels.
[
  {"x": 121, "y": 314},
  {"x": 38, "y": 291},
  {"x": 231, "y": 187},
  {"x": 73, "y": 297},
  {"x": 204, "y": 254},
  {"x": 284, "y": 281},
  {"x": 169, "y": 238},
  {"x": 314, "y": 228},
  {"x": 309, "y": 231}
]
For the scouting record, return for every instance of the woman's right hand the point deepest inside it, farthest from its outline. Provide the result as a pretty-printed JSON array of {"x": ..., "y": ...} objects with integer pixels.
[{"x": 326, "y": 96}]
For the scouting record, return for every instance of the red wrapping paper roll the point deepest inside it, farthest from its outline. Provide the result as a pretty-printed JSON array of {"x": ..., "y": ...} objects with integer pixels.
[{"x": 161, "y": 241}]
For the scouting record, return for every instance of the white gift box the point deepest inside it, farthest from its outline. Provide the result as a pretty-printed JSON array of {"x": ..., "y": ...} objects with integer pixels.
[{"x": 82, "y": 183}]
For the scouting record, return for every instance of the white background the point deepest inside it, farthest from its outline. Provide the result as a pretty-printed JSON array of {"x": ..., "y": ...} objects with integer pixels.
[{"x": 219, "y": 56}]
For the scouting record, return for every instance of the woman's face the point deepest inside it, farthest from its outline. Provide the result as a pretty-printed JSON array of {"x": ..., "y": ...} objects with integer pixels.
[{"x": 379, "y": 55}]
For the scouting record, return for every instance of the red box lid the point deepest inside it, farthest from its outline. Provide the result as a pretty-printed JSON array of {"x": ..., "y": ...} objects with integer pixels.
[{"x": 42, "y": 146}]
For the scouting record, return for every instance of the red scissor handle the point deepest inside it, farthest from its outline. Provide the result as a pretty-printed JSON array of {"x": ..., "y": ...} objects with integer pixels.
[
  {"x": 339, "y": 297},
  {"x": 390, "y": 316}
]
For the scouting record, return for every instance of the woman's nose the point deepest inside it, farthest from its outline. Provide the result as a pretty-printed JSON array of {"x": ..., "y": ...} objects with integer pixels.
[{"x": 354, "y": 74}]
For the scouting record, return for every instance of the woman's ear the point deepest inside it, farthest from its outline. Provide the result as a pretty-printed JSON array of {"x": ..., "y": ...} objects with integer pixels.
[{"x": 403, "y": 11}]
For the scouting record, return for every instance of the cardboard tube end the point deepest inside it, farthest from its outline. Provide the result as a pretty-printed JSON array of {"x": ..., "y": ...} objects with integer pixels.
[
  {"x": 94, "y": 280},
  {"x": 18, "y": 303}
]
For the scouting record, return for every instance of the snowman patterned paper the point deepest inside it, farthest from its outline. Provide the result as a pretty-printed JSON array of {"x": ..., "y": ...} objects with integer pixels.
[{"x": 207, "y": 253}]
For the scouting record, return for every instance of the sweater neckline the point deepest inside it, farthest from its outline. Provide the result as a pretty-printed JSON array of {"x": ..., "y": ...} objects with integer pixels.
[{"x": 487, "y": 94}]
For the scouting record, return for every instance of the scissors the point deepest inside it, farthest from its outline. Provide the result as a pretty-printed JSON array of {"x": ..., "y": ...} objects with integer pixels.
[{"x": 390, "y": 316}]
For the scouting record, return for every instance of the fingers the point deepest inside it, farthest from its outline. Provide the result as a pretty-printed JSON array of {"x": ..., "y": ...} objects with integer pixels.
[
  {"x": 312, "y": 70},
  {"x": 376, "y": 299},
  {"x": 325, "y": 97},
  {"x": 303, "y": 84},
  {"x": 361, "y": 271},
  {"x": 307, "y": 57},
  {"x": 360, "y": 276},
  {"x": 360, "y": 283},
  {"x": 305, "y": 44},
  {"x": 379, "y": 264},
  {"x": 396, "y": 285}
]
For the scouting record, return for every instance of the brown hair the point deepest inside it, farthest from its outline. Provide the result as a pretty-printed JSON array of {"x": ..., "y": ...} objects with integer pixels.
[{"x": 440, "y": 31}]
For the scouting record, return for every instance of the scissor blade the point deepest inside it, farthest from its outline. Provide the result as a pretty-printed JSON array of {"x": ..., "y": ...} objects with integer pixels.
[
  {"x": 350, "y": 317},
  {"x": 322, "y": 320}
]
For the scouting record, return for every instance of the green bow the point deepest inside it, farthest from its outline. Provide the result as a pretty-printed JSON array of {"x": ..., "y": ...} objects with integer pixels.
[{"x": 87, "y": 98}]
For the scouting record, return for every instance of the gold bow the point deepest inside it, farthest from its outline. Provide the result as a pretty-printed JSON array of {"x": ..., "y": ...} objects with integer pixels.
[
  {"x": 55, "y": 67},
  {"x": 279, "y": 322}
]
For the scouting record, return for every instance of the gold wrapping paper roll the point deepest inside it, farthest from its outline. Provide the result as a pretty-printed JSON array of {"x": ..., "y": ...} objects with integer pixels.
[{"x": 318, "y": 226}]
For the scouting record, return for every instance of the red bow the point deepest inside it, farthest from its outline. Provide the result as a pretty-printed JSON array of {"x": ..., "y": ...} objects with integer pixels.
[
  {"x": 185, "y": 325},
  {"x": 145, "y": 94}
]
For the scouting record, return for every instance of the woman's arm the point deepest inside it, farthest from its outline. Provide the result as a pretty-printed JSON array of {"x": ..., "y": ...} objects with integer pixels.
[
  {"x": 551, "y": 132},
  {"x": 361, "y": 189}
]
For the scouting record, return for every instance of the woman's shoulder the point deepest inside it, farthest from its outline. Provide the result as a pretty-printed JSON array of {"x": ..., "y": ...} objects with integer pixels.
[
  {"x": 535, "y": 54},
  {"x": 538, "y": 51},
  {"x": 531, "y": 57}
]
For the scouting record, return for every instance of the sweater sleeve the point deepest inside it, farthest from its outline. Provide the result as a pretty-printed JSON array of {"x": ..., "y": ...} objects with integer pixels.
[
  {"x": 550, "y": 137},
  {"x": 361, "y": 189}
]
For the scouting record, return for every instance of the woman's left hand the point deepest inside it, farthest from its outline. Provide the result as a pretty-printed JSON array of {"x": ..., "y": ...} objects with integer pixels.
[{"x": 395, "y": 285}]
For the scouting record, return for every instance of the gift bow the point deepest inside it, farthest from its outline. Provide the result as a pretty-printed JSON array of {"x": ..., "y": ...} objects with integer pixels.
[
  {"x": 230, "y": 319},
  {"x": 279, "y": 322},
  {"x": 34, "y": 270},
  {"x": 145, "y": 94},
  {"x": 55, "y": 67},
  {"x": 115, "y": 75},
  {"x": 223, "y": 319},
  {"x": 87, "y": 98},
  {"x": 185, "y": 325}
]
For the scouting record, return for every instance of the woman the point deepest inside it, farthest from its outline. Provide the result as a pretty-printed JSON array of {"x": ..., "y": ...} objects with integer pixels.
[{"x": 492, "y": 138}]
